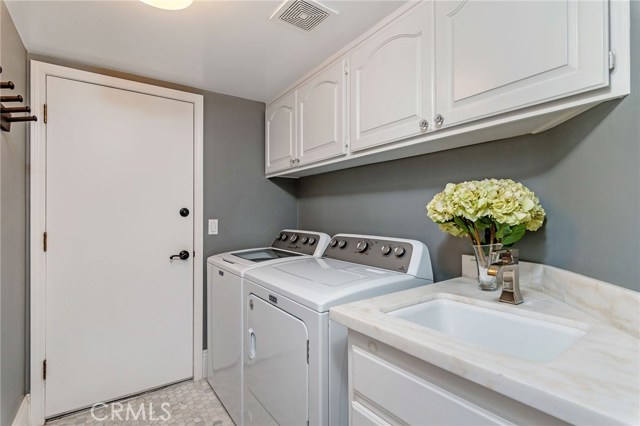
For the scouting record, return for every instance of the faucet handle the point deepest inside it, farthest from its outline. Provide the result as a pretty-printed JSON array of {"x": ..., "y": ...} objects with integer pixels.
[{"x": 509, "y": 256}]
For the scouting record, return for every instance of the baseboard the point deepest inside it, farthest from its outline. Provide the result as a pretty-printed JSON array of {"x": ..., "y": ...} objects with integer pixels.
[
  {"x": 22, "y": 416},
  {"x": 205, "y": 367}
]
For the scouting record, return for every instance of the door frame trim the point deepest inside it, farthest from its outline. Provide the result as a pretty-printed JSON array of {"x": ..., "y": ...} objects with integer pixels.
[{"x": 38, "y": 75}]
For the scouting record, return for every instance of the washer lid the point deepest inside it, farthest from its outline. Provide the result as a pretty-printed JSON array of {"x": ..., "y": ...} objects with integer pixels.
[
  {"x": 322, "y": 283},
  {"x": 264, "y": 254},
  {"x": 240, "y": 261},
  {"x": 331, "y": 272}
]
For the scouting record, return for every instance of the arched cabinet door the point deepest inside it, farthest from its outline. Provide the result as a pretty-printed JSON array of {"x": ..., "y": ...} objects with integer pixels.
[
  {"x": 321, "y": 109},
  {"x": 280, "y": 134},
  {"x": 391, "y": 81},
  {"x": 494, "y": 57}
]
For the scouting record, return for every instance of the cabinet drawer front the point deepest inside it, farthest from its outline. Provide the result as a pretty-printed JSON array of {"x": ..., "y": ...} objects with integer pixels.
[
  {"x": 412, "y": 399},
  {"x": 496, "y": 56},
  {"x": 362, "y": 416}
]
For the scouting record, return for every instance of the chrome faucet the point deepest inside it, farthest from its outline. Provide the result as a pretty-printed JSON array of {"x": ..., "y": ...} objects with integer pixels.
[{"x": 507, "y": 273}]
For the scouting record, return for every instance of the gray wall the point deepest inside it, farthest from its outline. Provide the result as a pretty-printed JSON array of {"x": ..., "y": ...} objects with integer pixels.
[
  {"x": 13, "y": 236},
  {"x": 249, "y": 207},
  {"x": 586, "y": 173}
]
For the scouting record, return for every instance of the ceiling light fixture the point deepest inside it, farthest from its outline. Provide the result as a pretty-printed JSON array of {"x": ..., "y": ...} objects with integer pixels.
[{"x": 169, "y": 4}]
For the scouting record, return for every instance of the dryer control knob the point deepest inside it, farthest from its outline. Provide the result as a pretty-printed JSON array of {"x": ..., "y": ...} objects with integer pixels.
[
  {"x": 284, "y": 237},
  {"x": 333, "y": 242},
  {"x": 304, "y": 240},
  {"x": 386, "y": 249},
  {"x": 279, "y": 236},
  {"x": 312, "y": 241},
  {"x": 294, "y": 238},
  {"x": 399, "y": 251},
  {"x": 362, "y": 246},
  {"x": 342, "y": 243}
]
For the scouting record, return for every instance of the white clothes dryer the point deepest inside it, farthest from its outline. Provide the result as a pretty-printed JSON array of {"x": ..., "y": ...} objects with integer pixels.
[
  {"x": 295, "y": 358},
  {"x": 225, "y": 274}
]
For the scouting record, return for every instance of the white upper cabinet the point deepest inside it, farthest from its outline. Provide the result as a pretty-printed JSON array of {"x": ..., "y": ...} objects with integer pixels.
[
  {"x": 391, "y": 81},
  {"x": 280, "y": 134},
  {"x": 441, "y": 74},
  {"x": 497, "y": 56},
  {"x": 321, "y": 109}
]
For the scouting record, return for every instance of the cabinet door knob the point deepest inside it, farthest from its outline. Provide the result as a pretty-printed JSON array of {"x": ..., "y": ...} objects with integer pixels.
[
  {"x": 439, "y": 119},
  {"x": 424, "y": 124}
]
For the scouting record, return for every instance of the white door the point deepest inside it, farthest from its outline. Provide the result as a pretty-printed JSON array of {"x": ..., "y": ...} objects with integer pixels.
[
  {"x": 391, "y": 81},
  {"x": 276, "y": 366},
  {"x": 118, "y": 310},
  {"x": 280, "y": 133},
  {"x": 321, "y": 109},
  {"x": 497, "y": 56}
]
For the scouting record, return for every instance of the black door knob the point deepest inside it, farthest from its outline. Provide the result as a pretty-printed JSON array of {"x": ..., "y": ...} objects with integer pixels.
[
  {"x": 183, "y": 255},
  {"x": 184, "y": 212}
]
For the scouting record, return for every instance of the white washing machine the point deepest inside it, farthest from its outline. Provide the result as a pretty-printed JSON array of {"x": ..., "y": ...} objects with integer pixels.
[
  {"x": 295, "y": 358},
  {"x": 225, "y": 274}
]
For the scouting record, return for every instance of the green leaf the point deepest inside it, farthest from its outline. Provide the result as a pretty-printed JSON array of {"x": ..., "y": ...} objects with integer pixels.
[
  {"x": 458, "y": 221},
  {"x": 502, "y": 230},
  {"x": 516, "y": 234},
  {"x": 483, "y": 223}
]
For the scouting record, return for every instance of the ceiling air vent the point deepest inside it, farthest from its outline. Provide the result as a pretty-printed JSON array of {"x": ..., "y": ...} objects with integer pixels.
[{"x": 303, "y": 14}]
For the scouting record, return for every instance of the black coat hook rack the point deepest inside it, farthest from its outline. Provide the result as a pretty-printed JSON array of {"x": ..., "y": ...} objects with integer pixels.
[{"x": 6, "y": 113}]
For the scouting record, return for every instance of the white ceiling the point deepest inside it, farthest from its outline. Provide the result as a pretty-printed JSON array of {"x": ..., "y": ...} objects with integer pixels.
[{"x": 229, "y": 47}]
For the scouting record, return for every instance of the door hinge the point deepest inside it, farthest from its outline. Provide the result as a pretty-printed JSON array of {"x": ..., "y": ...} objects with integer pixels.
[
  {"x": 44, "y": 370},
  {"x": 307, "y": 351},
  {"x": 346, "y": 69},
  {"x": 46, "y": 110},
  {"x": 612, "y": 60},
  {"x": 44, "y": 241}
]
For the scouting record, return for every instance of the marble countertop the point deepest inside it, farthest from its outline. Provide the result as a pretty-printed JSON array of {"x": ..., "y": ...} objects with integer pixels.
[{"x": 595, "y": 381}]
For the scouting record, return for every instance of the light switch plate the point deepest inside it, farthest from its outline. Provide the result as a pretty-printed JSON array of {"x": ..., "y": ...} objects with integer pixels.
[{"x": 213, "y": 226}]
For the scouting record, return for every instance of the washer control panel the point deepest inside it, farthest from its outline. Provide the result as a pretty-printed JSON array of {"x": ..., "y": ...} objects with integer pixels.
[
  {"x": 300, "y": 242},
  {"x": 394, "y": 255}
]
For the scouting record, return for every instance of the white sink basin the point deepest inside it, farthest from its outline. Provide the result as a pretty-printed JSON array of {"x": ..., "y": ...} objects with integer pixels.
[{"x": 527, "y": 338}]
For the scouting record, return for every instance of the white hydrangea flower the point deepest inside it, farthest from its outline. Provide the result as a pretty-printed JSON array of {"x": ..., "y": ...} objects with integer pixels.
[{"x": 501, "y": 201}]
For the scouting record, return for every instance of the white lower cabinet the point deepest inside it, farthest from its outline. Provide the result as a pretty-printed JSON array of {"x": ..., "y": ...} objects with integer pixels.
[
  {"x": 387, "y": 386},
  {"x": 362, "y": 416}
]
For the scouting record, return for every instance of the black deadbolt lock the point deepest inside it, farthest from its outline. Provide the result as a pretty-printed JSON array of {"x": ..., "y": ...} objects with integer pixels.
[{"x": 184, "y": 212}]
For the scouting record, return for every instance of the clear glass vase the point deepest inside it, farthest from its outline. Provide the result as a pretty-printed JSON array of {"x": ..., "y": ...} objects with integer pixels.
[{"x": 486, "y": 254}]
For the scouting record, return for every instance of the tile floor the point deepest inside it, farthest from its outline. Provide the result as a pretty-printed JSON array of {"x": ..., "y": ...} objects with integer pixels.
[{"x": 186, "y": 403}]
